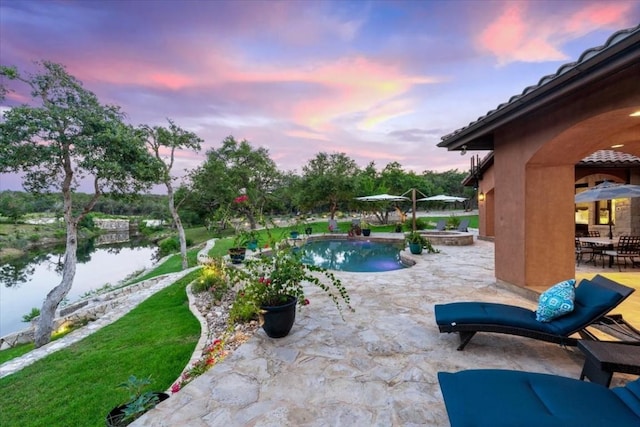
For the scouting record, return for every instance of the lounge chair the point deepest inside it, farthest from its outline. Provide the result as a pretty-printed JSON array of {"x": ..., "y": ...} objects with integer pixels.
[
  {"x": 441, "y": 225},
  {"x": 593, "y": 300},
  {"x": 333, "y": 226},
  {"x": 497, "y": 398},
  {"x": 464, "y": 225}
]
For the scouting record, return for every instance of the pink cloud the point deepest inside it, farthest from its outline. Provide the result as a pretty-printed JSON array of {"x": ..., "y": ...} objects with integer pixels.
[
  {"x": 516, "y": 36},
  {"x": 171, "y": 81},
  {"x": 510, "y": 39}
]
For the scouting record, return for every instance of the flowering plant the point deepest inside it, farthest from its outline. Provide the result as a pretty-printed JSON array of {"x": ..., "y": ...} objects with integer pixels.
[
  {"x": 271, "y": 280},
  {"x": 213, "y": 354}
]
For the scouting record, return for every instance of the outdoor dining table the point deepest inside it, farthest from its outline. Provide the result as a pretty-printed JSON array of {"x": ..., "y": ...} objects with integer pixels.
[{"x": 603, "y": 241}]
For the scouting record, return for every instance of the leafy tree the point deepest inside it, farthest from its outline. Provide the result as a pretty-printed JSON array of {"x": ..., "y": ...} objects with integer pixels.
[
  {"x": 237, "y": 177},
  {"x": 66, "y": 137},
  {"x": 167, "y": 140},
  {"x": 12, "y": 205},
  {"x": 329, "y": 179}
]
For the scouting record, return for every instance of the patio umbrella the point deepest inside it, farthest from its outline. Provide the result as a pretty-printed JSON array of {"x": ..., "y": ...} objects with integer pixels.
[
  {"x": 608, "y": 190},
  {"x": 382, "y": 198},
  {"x": 442, "y": 198}
]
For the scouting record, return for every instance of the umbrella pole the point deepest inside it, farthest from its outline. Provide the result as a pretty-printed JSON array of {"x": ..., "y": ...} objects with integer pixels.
[
  {"x": 413, "y": 209},
  {"x": 610, "y": 229}
]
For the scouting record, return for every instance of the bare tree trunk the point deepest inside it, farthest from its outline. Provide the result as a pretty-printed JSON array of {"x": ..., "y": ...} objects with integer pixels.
[
  {"x": 178, "y": 222},
  {"x": 251, "y": 218},
  {"x": 44, "y": 326}
]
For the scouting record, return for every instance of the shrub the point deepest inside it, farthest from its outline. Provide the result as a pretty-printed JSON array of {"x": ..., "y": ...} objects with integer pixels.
[
  {"x": 453, "y": 222},
  {"x": 87, "y": 222},
  {"x": 213, "y": 278},
  {"x": 242, "y": 310},
  {"x": 421, "y": 224},
  {"x": 169, "y": 245},
  {"x": 35, "y": 312}
]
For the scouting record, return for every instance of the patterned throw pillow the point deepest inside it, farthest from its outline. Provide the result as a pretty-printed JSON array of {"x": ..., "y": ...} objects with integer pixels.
[{"x": 556, "y": 301}]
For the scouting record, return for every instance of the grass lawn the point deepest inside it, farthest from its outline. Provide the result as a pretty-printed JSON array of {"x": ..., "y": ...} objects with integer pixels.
[{"x": 77, "y": 386}]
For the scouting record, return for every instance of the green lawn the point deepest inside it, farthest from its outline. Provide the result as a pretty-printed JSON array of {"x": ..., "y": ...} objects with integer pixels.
[{"x": 77, "y": 386}]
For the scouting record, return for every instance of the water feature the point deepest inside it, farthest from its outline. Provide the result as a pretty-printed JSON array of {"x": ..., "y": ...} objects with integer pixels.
[
  {"x": 354, "y": 255},
  {"x": 25, "y": 282}
]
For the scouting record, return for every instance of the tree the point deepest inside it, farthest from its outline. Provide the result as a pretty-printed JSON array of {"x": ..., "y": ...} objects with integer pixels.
[
  {"x": 238, "y": 177},
  {"x": 329, "y": 179},
  {"x": 171, "y": 139},
  {"x": 12, "y": 205},
  {"x": 66, "y": 138}
]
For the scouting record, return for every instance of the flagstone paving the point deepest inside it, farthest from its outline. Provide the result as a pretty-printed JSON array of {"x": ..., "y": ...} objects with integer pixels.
[{"x": 378, "y": 366}]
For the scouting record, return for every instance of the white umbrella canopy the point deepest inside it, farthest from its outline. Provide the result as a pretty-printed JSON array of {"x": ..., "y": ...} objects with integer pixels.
[
  {"x": 608, "y": 190},
  {"x": 442, "y": 198},
  {"x": 382, "y": 198}
]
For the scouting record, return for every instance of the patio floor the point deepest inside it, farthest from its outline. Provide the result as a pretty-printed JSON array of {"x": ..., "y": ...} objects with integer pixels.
[{"x": 377, "y": 367}]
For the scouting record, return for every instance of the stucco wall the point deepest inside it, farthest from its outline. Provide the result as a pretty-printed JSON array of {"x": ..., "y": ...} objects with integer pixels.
[{"x": 535, "y": 156}]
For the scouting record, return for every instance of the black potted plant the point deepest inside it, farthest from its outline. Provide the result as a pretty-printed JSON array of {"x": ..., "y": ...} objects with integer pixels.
[
  {"x": 243, "y": 240},
  {"x": 273, "y": 285},
  {"x": 417, "y": 242},
  {"x": 365, "y": 227},
  {"x": 139, "y": 402}
]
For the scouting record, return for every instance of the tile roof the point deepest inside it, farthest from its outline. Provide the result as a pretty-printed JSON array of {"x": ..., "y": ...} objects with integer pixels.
[{"x": 610, "y": 157}]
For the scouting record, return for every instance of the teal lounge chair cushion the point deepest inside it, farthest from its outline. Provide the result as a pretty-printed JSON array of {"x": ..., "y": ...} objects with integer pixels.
[
  {"x": 591, "y": 302},
  {"x": 513, "y": 398}
]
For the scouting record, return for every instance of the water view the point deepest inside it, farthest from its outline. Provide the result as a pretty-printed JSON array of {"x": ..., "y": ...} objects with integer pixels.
[{"x": 24, "y": 283}]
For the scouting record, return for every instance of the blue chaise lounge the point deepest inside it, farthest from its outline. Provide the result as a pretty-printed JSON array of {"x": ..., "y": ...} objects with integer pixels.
[
  {"x": 501, "y": 398},
  {"x": 594, "y": 298}
]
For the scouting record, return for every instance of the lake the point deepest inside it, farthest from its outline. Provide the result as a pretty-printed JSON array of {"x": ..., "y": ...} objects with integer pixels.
[{"x": 24, "y": 283}]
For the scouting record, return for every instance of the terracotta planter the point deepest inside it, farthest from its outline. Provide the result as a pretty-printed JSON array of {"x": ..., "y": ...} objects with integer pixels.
[{"x": 278, "y": 320}]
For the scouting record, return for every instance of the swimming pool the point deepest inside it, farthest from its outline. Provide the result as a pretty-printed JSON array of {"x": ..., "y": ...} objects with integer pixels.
[{"x": 353, "y": 255}]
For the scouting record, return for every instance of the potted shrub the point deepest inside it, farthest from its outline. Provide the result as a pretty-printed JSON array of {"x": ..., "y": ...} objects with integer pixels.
[
  {"x": 243, "y": 239},
  {"x": 251, "y": 238},
  {"x": 399, "y": 227},
  {"x": 139, "y": 402},
  {"x": 365, "y": 227},
  {"x": 272, "y": 286},
  {"x": 417, "y": 242}
]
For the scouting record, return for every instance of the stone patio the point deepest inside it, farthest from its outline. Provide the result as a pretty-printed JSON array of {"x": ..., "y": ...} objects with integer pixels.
[{"x": 377, "y": 367}]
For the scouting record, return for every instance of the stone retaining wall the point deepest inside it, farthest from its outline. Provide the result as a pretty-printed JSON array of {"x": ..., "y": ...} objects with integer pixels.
[
  {"x": 80, "y": 312},
  {"x": 112, "y": 224}
]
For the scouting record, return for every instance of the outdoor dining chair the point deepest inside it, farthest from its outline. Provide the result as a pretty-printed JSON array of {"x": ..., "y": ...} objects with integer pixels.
[{"x": 628, "y": 247}]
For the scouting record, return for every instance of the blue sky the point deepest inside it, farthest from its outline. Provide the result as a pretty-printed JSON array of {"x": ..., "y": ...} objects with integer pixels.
[{"x": 381, "y": 81}]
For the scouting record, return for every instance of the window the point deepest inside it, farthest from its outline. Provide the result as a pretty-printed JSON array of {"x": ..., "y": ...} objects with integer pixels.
[{"x": 605, "y": 212}]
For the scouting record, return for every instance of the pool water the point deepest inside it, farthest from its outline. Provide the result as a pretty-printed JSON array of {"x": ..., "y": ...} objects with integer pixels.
[{"x": 353, "y": 255}]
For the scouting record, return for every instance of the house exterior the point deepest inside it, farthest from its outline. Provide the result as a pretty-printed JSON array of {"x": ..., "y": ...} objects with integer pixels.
[{"x": 541, "y": 142}]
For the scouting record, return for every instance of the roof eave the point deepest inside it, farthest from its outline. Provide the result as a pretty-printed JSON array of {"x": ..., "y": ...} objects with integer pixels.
[{"x": 478, "y": 135}]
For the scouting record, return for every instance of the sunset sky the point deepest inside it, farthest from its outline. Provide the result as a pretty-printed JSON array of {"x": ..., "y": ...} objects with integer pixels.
[{"x": 381, "y": 81}]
